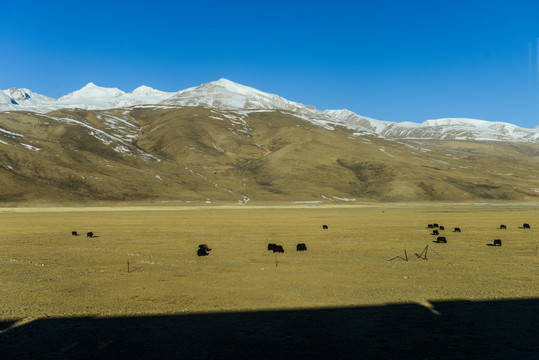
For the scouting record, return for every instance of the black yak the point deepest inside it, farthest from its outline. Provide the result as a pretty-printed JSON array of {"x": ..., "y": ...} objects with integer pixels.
[{"x": 203, "y": 250}]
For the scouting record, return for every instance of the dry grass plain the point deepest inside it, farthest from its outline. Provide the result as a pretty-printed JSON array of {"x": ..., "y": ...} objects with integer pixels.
[{"x": 47, "y": 273}]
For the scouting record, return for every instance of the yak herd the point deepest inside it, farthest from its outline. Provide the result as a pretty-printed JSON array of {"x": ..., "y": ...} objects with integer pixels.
[
  {"x": 88, "y": 234},
  {"x": 204, "y": 250},
  {"x": 442, "y": 240}
]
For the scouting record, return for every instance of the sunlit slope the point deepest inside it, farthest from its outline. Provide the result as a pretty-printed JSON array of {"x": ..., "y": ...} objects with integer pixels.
[{"x": 202, "y": 154}]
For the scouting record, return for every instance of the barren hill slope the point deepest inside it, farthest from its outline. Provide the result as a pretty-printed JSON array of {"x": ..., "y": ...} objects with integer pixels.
[{"x": 203, "y": 154}]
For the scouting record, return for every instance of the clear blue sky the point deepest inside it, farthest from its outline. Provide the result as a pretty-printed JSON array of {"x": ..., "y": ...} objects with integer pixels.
[{"x": 389, "y": 60}]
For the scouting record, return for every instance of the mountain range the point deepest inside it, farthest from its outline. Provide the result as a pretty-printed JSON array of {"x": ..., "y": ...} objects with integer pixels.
[
  {"x": 222, "y": 142},
  {"x": 224, "y": 94}
]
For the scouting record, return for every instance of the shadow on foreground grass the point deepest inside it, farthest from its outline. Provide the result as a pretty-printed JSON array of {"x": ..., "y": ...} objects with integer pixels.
[{"x": 504, "y": 329}]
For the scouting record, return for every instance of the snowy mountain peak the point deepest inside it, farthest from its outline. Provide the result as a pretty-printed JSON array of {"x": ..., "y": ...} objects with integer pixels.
[
  {"x": 91, "y": 90},
  {"x": 233, "y": 87},
  {"x": 227, "y": 95},
  {"x": 147, "y": 91},
  {"x": 225, "y": 82},
  {"x": 14, "y": 98},
  {"x": 18, "y": 94}
]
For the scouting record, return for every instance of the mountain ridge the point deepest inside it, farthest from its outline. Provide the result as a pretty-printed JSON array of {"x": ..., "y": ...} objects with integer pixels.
[
  {"x": 167, "y": 154},
  {"x": 224, "y": 94}
]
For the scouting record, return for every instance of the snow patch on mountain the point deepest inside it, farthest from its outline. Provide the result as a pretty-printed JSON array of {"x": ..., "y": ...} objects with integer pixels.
[
  {"x": 5, "y": 101},
  {"x": 11, "y": 133},
  {"x": 357, "y": 122},
  {"x": 30, "y": 147}
]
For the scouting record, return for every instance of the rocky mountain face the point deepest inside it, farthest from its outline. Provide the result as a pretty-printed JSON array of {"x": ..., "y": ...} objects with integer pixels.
[{"x": 223, "y": 142}]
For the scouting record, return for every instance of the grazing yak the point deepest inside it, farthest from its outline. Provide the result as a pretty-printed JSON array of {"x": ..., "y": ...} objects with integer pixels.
[
  {"x": 89, "y": 234},
  {"x": 435, "y": 225},
  {"x": 275, "y": 248},
  {"x": 526, "y": 226},
  {"x": 430, "y": 226},
  {"x": 203, "y": 250},
  {"x": 74, "y": 233},
  {"x": 441, "y": 239},
  {"x": 442, "y": 228},
  {"x": 456, "y": 230},
  {"x": 497, "y": 242},
  {"x": 503, "y": 227},
  {"x": 325, "y": 227},
  {"x": 435, "y": 232},
  {"x": 301, "y": 247}
]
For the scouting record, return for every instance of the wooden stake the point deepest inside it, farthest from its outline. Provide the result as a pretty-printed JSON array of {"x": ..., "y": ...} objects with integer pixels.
[
  {"x": 405, "y": 258},
  {"x": 128, "y": 267},
  {"x": 423, "y": 254},
  {"x": 440, "y": 256}
]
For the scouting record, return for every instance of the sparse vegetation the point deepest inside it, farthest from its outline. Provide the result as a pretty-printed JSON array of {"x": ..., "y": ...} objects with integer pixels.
[{"x": 199, "y": 153}]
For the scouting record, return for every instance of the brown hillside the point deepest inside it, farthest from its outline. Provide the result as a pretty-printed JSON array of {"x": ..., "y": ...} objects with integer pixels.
[{"x": 199, "y": 154}]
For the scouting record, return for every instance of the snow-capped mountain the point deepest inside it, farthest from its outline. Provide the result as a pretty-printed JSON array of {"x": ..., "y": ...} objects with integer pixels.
[
  {"x": 461, "y": 129},
  {"x": 442, "y": 129},
  {"x": 226, "y": 95},
  {"x": 14, "y": 99},
  {"x": 91, "y": 90},
  {"x": 148, "y": 91},
  {"x": 239, "y": 143},
  {"x": 94, "y": 97},
  {"x": 90, "y": 97}
]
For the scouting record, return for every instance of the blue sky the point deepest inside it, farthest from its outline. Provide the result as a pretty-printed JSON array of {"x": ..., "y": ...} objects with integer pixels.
[{"x": 389, "y": 60}]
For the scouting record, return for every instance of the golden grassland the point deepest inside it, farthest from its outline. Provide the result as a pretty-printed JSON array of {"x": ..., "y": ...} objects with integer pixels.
[{"x": 47, "y": 272}]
